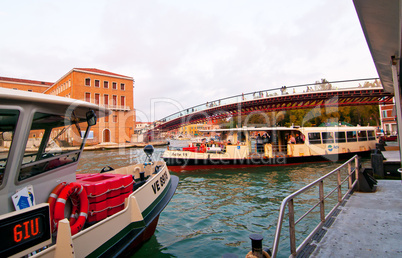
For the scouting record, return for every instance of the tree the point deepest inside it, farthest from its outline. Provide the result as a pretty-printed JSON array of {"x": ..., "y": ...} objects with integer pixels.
[{"x": 323, "y": 85}]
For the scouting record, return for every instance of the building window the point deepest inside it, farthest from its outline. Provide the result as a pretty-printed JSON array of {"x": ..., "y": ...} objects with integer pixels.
[
  {"x": 384, "y": 114},
  {"x": 106, "y": 99},
  {"x": 106, "y": 119},
  {"x": 105, "y": 84},
  {"x": 87, "y": 97},
  {"x": 122, "y": 101},
  {"x": 115, "y": 119},
  {"x": 97, "y": 83},
  {"x": 97, "y": 98},
  {"x": 114, "y": 100},
  {"x": 114, "y": 85},
  {"x": 122, "y": 86},
  {"x": 87, "y": 82}
]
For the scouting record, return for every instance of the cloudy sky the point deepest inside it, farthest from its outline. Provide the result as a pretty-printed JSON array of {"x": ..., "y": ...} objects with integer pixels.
[{"x": 183, "y": 53}]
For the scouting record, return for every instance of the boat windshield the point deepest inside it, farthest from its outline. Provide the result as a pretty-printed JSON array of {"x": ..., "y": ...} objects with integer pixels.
[
  {"x": 53, "y": 141},
  {"x": 8, "y": 122}
]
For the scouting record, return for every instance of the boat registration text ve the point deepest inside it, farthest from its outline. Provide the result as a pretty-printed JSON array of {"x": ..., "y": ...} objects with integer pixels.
[{"x": 158, "y": 185}]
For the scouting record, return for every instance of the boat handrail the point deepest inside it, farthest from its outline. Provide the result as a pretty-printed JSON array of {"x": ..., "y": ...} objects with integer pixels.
[{"x": 352, "y": 178}]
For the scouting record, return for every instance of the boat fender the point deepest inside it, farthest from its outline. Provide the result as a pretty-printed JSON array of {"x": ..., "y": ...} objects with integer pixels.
[
  {"x": 106, "y": 169},
  {"x": 52, "y": 202},
  {"x": 76, "y": 193}
]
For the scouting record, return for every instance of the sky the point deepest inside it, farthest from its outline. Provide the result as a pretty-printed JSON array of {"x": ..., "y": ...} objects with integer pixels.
[{"x": 182, "y": 53}]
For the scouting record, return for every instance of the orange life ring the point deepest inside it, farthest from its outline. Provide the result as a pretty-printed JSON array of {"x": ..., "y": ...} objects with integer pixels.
[
  {"x": 76, "y": 192},
  {"x": 52, "y": 202},
  {"x": 75, "y": 210}
]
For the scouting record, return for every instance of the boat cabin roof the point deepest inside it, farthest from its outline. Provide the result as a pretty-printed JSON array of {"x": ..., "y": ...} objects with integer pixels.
[
  {"x": 41, "y": 140},
  {"x": 18, "y": 96},
  {"x": 300, "y": 129}
]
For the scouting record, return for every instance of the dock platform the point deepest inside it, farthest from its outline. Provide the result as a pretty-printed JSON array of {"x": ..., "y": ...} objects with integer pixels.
[
  {"x": 368, "y": 225},
  {"x": 392, "y": 156}
]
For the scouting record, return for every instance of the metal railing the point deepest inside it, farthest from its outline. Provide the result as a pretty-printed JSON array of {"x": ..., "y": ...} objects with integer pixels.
[{"x": 289, "y": 202}]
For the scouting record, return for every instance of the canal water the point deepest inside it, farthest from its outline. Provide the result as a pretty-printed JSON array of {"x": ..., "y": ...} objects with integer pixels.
[{"x": 214, "y": 211}]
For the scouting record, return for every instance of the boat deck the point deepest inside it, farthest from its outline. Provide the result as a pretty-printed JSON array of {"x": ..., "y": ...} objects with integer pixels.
[{"x": 368, "y": 225}]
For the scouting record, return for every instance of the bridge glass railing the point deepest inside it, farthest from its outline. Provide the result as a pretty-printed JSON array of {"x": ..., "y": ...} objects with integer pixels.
[{"x": 271, "y": 93}]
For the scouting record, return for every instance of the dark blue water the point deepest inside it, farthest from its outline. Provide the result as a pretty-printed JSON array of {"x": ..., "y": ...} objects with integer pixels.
[{"x": 214, "y": 211}]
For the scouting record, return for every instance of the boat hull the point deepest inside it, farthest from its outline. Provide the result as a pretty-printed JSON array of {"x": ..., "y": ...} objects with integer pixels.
[
  {"x": 134, "y": 236},
  {"x": 184, "y": 164},
  {"x": 124, "y": 232}
]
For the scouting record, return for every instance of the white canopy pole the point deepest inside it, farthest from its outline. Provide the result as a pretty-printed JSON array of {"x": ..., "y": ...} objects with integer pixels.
[{"x": 397, "y": 98}]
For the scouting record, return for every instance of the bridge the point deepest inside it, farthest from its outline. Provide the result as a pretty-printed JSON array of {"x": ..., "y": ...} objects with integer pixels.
[{"x": 306, "y": 96}]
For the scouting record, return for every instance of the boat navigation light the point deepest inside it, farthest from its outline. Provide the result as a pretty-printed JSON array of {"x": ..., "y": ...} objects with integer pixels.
[{"x": 149, "y": 150}]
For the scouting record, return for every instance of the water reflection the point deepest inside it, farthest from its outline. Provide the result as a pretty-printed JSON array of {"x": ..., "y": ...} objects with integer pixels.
[{"x": 213, "y": 212}]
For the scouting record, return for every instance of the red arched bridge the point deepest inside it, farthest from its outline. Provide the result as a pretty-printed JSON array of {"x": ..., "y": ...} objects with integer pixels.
[{"x": 307, "y": 96}]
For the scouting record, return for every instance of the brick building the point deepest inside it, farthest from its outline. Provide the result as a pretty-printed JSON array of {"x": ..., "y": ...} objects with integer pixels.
[
  {"x": 388, "y": 119},
  {"x": 100, "y": 87},
  {"x": 25, "y": 85}
]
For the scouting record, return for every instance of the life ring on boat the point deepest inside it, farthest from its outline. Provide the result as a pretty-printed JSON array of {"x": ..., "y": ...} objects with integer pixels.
[
  {"x": 52, "y": 202},
  {"x": 75, "y": 210},
  {"x": 78, "y": 196}
]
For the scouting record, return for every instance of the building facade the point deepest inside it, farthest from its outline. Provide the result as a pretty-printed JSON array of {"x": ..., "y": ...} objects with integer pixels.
[
  {"x": 25, "y": 85},
  {"x": 388, "y": 119},
  {"x": 100, "y": 87}
]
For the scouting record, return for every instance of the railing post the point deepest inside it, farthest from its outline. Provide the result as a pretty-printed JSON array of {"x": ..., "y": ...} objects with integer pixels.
[
  {"x": 339, "y": 186},
  {"x": 357, "y": 168},
  {"x": 350, "y": 175},
  {"x": 322, "y": 207},
  {"x": 292, "y": 228}
]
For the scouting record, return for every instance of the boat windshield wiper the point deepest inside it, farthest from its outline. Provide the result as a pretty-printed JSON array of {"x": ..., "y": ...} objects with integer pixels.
[
  {"x": 61, "y": 132},
  {"x": 75, "y": 120}
]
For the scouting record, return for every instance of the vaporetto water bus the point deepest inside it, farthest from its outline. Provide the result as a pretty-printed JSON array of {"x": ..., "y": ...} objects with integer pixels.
[
  {"x": 273, "y": 146},
  {"x": 47, "y": 210}
]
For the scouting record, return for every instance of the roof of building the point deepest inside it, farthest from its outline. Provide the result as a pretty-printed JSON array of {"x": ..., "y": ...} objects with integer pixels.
[
  {"x": 24, "y": 81},
  {"x": 94, "y": 70}
]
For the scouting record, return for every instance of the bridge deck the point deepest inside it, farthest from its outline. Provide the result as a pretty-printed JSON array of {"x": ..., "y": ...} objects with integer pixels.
[
  {"x": 275, "y": 100},
  {"x": 369, "y": 225}
]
